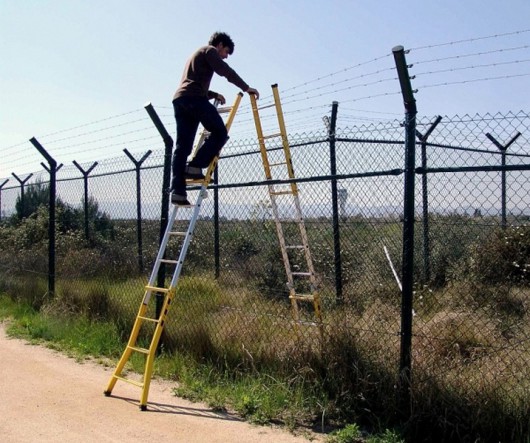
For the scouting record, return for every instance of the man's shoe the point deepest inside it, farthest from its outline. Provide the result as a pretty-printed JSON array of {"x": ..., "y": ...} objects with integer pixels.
[
  {"x": 179, "y": 200},
  {"x": 193, "y": 173}
]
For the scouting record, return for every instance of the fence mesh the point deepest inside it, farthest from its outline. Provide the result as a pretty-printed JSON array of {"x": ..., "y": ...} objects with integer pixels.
[{"x": 471, "y": 329}]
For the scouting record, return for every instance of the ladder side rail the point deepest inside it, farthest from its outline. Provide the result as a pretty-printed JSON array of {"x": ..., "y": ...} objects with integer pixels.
[
  {"x": 285, "y": 255},
  {"x": 160, "y": 255},
  {"x": 283, "y": 132},
  {"x": 149, "y": 363},
  {"x": 187, "y": 238},
  {"x": 309, "y": 261},
  {"x": 281, "y": 238},
  {"x": 233, "y": 111},
  {"x": 303, "y": 235},
  {"x": 261, "y": 140}
]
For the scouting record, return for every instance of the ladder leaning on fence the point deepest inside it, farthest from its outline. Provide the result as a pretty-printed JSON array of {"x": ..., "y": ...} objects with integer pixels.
[
  {"x": 145, "y": 317},
  {"x": 304, "y": 279}
]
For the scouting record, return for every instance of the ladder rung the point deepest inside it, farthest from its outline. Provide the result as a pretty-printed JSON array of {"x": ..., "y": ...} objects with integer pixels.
[
  {"x": 224, "y": 110},
  {"x": 151, "y": 319},
  {"x": 296, "y": 247},
  {"x": 265, "y": 137},
  {"x": 155, "y": 289},
  {"x": 302, "y": 274},
  {"x": 178, "y": 233},
  {"x": 128, "y": 380},
  {"x": 303, "y": 297},
  {"x": 280, "y": 192},
  {"x": 170, "y": 262},
  {"x": 141, "y": 350},
  {"x": 277, "y": 164},
  {"x": 266, "y": 106}
]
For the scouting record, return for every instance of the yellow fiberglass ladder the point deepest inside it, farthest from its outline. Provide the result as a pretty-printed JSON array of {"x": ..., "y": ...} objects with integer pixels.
[
  {"x": 301, "y": 283},
  {"x": 146, "y": 321}
]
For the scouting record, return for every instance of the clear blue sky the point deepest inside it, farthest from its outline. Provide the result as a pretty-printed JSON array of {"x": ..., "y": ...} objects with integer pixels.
[{"x": 66, "y": 63}]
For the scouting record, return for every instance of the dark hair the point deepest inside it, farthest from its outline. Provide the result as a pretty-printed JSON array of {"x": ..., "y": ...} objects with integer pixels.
[{"x": 221, "y": 37}]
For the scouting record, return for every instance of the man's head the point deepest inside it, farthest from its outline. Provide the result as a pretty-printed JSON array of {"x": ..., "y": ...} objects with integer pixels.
[{"x": 223, "y": 43}]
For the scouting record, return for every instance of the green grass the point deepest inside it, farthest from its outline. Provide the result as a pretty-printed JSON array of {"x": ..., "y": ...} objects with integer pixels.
[
  {"x": 230, "y": 341},
  {"x": 77, "y": 336},
  {"x": 258, "y": 397},
  {"x": 352, "y": 433}
]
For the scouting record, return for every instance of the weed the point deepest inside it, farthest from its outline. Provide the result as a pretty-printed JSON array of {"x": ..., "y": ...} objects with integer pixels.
[{"x": 349, "y": 434}]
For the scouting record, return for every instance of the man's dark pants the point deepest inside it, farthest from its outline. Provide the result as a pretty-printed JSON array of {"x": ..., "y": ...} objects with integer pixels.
[{"x": 189, "y": 112}]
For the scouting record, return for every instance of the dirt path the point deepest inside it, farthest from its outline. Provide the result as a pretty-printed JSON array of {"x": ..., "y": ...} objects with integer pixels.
[{"x": 48, "y": 397}]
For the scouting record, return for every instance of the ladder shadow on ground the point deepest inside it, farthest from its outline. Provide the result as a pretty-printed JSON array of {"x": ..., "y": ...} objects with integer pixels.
[{"x": 164, "y": 408}]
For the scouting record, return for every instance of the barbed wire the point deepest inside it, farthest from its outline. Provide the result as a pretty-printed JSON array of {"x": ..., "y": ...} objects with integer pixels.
[
  {"x": 469, "y": 40},
  {"x": 503, "y": 77},
  {"x": 310, "y": 93},
  {"x": 473, "y": 54},
  {"x": 488, "y": 65},
  {"x": 358, "y": 65}
]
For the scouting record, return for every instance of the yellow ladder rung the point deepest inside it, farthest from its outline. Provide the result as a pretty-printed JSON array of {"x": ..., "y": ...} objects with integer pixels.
[
  {"x": 140, "y": 350},
  {"x": 155, "y": 289},
  {"x": 128, "y": 380},
  {"x": 278, "y": 134},
  {"x": 151, "y": 319},
  {"x": 277, "y": 164}
]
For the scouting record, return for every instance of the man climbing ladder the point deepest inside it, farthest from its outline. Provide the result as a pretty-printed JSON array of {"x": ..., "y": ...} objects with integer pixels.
[
  {"x": 191, "y": 105},
  {"x": 146, "y": 323}
]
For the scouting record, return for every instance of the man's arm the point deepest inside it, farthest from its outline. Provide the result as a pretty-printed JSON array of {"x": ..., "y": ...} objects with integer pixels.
[{"x": 223, "y": 69}]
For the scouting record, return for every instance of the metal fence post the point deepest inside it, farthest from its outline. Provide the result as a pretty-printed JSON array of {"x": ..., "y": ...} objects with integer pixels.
[
  {"x": 1, "y": 186},
  {"x": 168, "y": 143},
  {"x": 425, "y": 197},
  {"x": 85, "y": 182},
  {"x": 51, "y": 215},
  {"x": 408, "y": 227},
  {"x": 22, "y": 184},
  {"x": 217, "y": 245},
  {"x": 503, "y": 149},
  {"x": 334, "y": 201},
  {"x": 138, "y": 165}
]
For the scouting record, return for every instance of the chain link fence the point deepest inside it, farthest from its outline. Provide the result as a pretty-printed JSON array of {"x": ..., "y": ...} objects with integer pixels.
[{"x": 471, "y": 329}]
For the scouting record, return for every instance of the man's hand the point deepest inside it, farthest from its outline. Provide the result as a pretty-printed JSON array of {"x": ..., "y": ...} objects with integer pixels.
[
  {"x": 253, "y": 91},
  {"x": 221, "y": 99}
]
